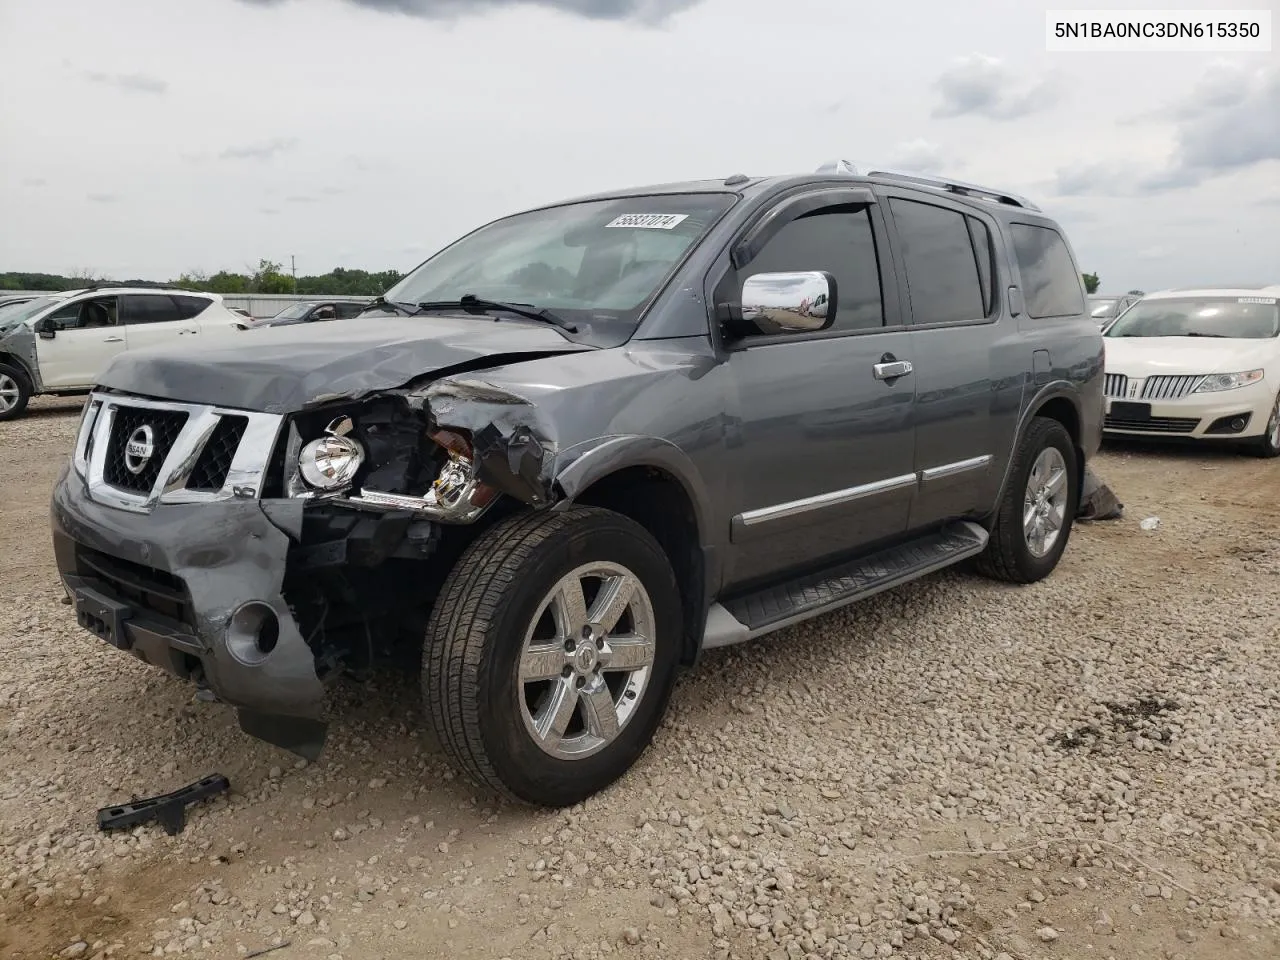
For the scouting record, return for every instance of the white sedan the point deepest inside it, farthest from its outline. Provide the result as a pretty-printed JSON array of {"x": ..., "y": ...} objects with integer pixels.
[{"x": 1203, "y": 364}]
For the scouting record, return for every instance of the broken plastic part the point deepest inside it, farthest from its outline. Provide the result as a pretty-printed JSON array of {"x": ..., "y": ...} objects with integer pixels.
[{"x": 170, "y": 809}]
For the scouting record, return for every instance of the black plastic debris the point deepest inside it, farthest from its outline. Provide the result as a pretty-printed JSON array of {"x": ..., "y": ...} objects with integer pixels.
[
  {"x": 169, "y": 809},
  {"x": 1097, "y": 500}
]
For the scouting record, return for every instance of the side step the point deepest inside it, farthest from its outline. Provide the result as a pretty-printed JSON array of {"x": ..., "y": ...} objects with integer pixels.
[{"x": 813, "y": 594}]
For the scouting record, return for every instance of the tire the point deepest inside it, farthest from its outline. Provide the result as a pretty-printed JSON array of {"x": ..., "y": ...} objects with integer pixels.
[
  {"x": 15, "y": 392},
  {"x": 1009, "y": 554},
  {"x": 487, "y": 717},
  {"x": 1268, "y": 445}
]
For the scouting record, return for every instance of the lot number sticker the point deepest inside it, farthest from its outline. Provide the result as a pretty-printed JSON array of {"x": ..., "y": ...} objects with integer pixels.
[
  {"x": 1267, "y": 300},
  {"x": 649, "y": 221}
]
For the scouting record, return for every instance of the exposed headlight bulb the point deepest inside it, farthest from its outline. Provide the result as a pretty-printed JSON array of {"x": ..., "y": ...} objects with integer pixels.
[{"x": 331, "y": 462}]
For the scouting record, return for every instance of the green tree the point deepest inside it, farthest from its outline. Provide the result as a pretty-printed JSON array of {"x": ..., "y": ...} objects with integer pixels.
[
  {"x": 269, "y": 278},
  {"x": 224, "y": 282},
  {"x": 1090, "y": 282}
]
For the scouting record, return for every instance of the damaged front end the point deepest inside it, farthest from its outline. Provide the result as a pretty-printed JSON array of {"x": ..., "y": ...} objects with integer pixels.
[{"x": 263, "y": 556}]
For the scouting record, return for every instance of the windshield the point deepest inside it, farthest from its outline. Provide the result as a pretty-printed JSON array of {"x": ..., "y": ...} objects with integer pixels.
[
  {"x": 15, "y": 313},
  {"x": 294, "y": 312},
  {"x": 1101, "y": 309},
  {"x": 1241, "y": 318},
  {"x": 596, "y": 263}
]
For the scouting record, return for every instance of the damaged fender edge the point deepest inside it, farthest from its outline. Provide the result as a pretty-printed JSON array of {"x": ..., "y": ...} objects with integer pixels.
[{"x": 514, "y": 448}]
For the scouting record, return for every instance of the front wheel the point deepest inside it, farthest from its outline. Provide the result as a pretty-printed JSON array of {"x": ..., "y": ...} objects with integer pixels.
[
  {"x": 1033, "y": 522},
  {"x": 551, "y": 653},
  {"x": 15, "y": 391},
  {"x": 1268, "y": 445}
]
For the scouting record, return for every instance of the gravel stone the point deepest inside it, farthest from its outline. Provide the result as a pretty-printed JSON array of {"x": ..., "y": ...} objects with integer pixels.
[{"x": 950, "y": 750}]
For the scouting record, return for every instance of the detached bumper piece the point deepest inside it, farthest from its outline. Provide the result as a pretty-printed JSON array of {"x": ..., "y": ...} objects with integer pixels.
[{"x": 170, "y": 809}]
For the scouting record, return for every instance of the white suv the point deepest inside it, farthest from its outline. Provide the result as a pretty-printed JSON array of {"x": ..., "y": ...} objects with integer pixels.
[{"x": 60, "y": 342}]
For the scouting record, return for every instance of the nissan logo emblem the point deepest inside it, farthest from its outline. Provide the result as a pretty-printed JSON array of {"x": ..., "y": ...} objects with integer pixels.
[{"x": 139, "y": 448}]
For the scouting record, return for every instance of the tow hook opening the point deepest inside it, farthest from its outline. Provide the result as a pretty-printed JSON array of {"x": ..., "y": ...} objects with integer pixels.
[{"x": 253, "y": 632}]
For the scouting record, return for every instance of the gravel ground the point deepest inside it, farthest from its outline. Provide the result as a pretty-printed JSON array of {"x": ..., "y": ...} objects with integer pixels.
[{"x": 1085, "y": 768}]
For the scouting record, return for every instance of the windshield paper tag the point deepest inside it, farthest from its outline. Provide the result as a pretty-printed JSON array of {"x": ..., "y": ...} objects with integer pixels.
[
  {"x": 649, "y": 221},
  {"x": 1268, "y": 300}
]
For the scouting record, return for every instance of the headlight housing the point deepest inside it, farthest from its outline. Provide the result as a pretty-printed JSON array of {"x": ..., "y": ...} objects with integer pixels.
[
  {"x": 84, "y": 436},
  {"x": 1216, "y": 382},
  {"x": 331, "y": 462}
]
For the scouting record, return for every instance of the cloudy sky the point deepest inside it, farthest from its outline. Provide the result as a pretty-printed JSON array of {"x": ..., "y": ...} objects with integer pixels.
[{"x": 144, "y": 138}]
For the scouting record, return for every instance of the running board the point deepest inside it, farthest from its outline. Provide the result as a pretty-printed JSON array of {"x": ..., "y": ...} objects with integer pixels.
[{"x": 814, "y": 594}]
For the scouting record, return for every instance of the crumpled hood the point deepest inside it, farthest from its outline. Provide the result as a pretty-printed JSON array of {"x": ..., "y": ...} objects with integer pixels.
[
  {"x": 284, "y": 369},
  {"x": 1153, "y": 356}
]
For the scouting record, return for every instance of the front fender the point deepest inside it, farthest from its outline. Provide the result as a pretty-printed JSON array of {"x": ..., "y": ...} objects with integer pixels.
[
  {"x": 581, "y": 465},
  {"x": 19, "y": 346},
  {"x": 578, "y": 467}
]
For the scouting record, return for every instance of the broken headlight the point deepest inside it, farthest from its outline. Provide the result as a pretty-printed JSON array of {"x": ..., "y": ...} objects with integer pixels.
[
  {"x": 456, "y": 495},
  {"x": 332, "y": 461}
]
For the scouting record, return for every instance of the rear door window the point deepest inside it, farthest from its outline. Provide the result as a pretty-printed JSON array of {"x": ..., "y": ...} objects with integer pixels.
[
  {"x": 943, "y": 276},
  {"x": 148, "y": 308}
]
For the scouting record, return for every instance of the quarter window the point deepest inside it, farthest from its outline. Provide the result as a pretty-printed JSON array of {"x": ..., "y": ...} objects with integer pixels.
[
  {"x": 943, "y": 276},
  {"x": 1051, "y": 284},
  {"x": 840, "y": 241},
  {"x": 188, "y": 306}
]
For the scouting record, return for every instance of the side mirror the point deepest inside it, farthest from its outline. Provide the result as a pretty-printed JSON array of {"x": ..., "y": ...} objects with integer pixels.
[
  {"x": 780, "y": 303},
  {"x": 45, "y": 328}
]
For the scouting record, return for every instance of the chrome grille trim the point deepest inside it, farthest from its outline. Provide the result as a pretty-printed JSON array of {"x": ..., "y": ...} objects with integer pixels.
[
  {"x": 1170, "y": 387},
  {"x": 1116, "y": 384},
  {"x": 244, "y": 478},
  {"x": 1153, "y": 425}
]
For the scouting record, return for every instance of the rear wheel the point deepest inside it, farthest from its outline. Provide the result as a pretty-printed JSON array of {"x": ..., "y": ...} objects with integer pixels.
[
  {"x": 1268, "y": 445},
  {"x": 15, "y": 391},
  {"x": 1033, "y": 523},
  {"x": 551, "y": 653}
]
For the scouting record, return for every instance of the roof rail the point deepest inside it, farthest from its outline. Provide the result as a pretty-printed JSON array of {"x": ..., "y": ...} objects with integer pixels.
[
  {"x": 960, "y": 187},
  {"x": 117, "y": 284}
]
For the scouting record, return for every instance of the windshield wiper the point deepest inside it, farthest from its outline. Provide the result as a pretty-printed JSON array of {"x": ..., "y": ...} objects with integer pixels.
[
  {"x": 1194, "y": 334},
  {"x": 470, "y": 303},
  {"x": 404, "y": 309}
]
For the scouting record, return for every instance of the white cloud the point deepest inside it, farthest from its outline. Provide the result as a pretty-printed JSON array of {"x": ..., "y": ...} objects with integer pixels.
[
  {"x": 985, "y": 86},
  {"x": 403, "y": 131}
]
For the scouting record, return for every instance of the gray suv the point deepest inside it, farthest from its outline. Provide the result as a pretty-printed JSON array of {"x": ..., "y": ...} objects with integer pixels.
[{"x": 585, "y": 443}]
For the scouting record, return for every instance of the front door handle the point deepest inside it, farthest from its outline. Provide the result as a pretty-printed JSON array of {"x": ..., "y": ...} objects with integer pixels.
[
  {"x": 892, "y": 369},
  {"x": 114, "y": 340}
]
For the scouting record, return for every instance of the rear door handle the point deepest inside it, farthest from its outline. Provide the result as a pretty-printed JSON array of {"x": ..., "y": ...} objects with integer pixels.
[
  {"x": 893, "y": 369},
  {"x": 114, "y": 340}
]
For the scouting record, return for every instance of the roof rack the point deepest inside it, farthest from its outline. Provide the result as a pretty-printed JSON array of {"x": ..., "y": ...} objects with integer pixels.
[
  {"x": 960, "y": 187},
  {"x": 117, "y": 284}
]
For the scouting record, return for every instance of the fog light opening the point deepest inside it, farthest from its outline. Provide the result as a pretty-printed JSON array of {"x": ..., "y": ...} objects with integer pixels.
[
  {"x": 253, "y": 632},
  {"x": 268, "y": 634},
  {"x": 1237, "y": 424}
]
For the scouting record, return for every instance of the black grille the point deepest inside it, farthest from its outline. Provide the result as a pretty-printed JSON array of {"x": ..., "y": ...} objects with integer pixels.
[
  {"x": 146, "y": 587},
  {"x": 1154, "y": 425},
  {"x": 165, "y": 426},
  {"x": 210, "y": 471}
]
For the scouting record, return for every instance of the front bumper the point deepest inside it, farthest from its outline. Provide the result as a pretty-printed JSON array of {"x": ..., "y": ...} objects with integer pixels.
[
  {"x": 1206, "y": 416},
  {"x": 188, "y": 588}
]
